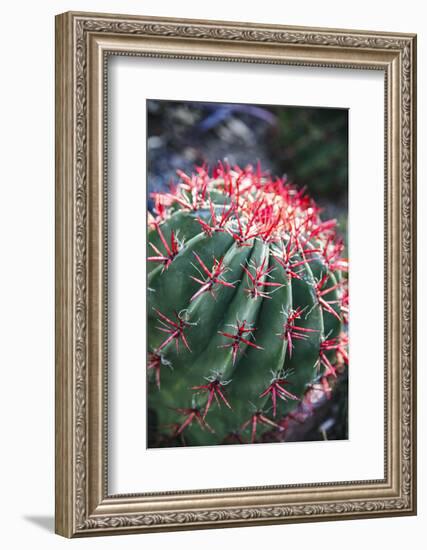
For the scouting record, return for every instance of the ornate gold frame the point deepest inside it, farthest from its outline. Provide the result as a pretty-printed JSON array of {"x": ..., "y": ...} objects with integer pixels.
[{"x": 83, "y": 42}]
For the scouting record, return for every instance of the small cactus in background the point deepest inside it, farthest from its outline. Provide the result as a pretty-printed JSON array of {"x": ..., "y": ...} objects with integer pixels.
[{"x": 247, "y": 303}]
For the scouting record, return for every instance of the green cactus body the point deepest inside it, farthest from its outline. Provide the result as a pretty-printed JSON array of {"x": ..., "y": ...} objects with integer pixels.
[{"x": 244, "y": 307}]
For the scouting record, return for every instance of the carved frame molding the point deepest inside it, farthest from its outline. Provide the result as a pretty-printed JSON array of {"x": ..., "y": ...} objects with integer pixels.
[{"x": 83, "y": 43}]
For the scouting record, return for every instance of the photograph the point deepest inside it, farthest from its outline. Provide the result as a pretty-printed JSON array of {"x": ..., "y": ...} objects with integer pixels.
[{"x": 247, "y": 273}]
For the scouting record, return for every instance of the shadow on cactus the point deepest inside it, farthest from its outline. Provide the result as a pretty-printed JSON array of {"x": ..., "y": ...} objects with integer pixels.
[{"x": 247, "y": 309}]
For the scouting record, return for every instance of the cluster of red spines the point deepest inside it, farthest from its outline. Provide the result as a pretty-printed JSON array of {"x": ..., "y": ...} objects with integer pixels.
[
  {"x": 161, "y": 211},
  {"x": 191, "y": 414},
  {"x": 276, "y": 390},
  {"x": 337, "y": 345},
  {"x": 331, "y": 253},
  {"x": 322, "y": 289},
  {"x": 239, "y": 337},
  {"x": 286, "y": 259},
  {"x": 258, "y": 207},
  {"x": 214, "y": 389},
  {"x": 175, "y": 329},
  {"x": 259, "y": 286},
  {"x": 155, "y": 363},
  {"x": 217, "y": 222},
  {"x": 213, "y": 277},
  {"x": 292, "y": 331},
  {"x": 170, "y": 249},
  {"x": 314, "y": 396},
  {"x": 344, "y": 303},
  {"x": 245, "y": 232},
  {"x": 258, "y": 417},
  {"x": 191, "y": 194}
]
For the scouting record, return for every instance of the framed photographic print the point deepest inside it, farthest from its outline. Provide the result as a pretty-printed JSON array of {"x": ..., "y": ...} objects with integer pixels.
[{"x": 235, "y": 274}]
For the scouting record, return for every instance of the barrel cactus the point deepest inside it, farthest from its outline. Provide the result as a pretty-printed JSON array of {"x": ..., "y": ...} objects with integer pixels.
[{"x": 247, "y": 304}]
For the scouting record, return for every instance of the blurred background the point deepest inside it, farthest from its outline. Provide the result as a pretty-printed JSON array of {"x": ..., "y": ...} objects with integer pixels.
[{"x": 308, "y": 145}]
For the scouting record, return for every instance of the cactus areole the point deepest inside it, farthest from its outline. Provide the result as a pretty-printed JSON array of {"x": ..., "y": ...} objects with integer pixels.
[{"x": 247, "y": 299}]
